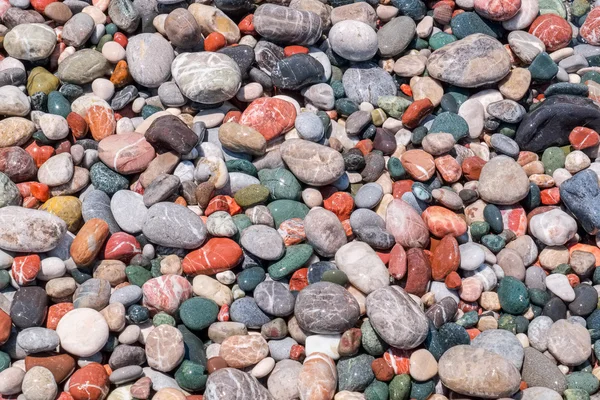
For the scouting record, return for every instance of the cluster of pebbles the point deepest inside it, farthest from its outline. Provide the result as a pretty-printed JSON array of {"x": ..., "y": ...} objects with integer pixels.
[{"x": 305, "y": 199}]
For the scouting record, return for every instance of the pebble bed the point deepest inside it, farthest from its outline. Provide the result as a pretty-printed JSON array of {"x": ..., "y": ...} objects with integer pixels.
[{"x": 299, "y": 200}]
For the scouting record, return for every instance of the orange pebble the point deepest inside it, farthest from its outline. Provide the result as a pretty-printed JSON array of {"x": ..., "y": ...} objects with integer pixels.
[
  {"x": 299, "y": 279},
  {"x": 121, "y": 39},
  {"x": 246, "y": 25},
  {"x": 401, "y": 187},
  {"x": 347, "y": 229},
  {"x": 453, "y": 280},
  {"x": 291, "y": 50},
  {"x": 406, "y": 89},
  {"x": 550, "y": 196},
  {"x": 181, "y": 201},
  {"x": 523, "y": 385},
  {"x": 365, "y": 146},
  {"x": 473, "y": 333},
  {"x": 232, "y": 116},
  {"x": 214, "y": 41},
  {"x": 77, "y": 124},
  {"x": 573, "y": 280},
  {"x": 121, "y": 76},
  {"x": 40, "y": 191},
  {"x": 341, "y": 204}
]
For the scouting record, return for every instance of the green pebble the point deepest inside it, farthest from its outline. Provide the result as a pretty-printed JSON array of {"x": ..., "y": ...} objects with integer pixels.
[
  {"x": 4, "y": 361},
  {"x": 162, "y": 318},
  {"x": 418, "y": 134},
  {"x": 249, "y": 278},
  {"x": 479, "y": 229},
  {"x": 70, "y": 91},
  {"x": 137, "y": 275},
  {"x": 468, "y": 320},
  {"x": 576, "y": 394},
  {"x": 449, "y": 103},
  {"x": 58, "y": 104},
  {"x": 107, "y": 180},
  {"x": 418, "y": 43},
  {"x": 591, "y": 76},
  {"x": 281, "y": 184},
  {"x": 191, "y": 376},
  {"x": 553, "y": 158},
  {"x": 507, "y": 129},
  {"x": 155, "y": 267},
  {"x": 493, "y": 217},
  {"x": 460, "y": 94},
  {"x": 440, "y": 39},
  {"x": 355, "y": 373},
  {"x": 575, "y": 89},
  {"x": 241, "y": 221},
  {"x": 593, "y": 61},
  {"x": 345, "y": 106},
  {"x": 400, "y": 387},
  {"x": 468, "y": 23},
  {"x": 39, "y": 102},
  {"x": 377, "y": 390},
  {"x": 378, "y": 117},
  {"x": 295, "y": 257},
  {"x": 522, "y": 324},
  {"x": 562, "y": 269},
  {"x": 371, "y": 342},
  {"x": 394, "y": 106},
  {"x": 111, "y": 29},
  {"x": 450, "y": 123},
  {"x": 543, "y": 68},
  {"x": 251, "y": 195},
  {"x": 583, "y": 380},
  {"x": 553, "y": 7},
  {"x": 282, "y": 210},
  {"x": 508, "y": 323},
  {"x": 493, "y": 242},
  {"x": 539, "y": 297},
  {"x": 354, "y": 188},
  {"x": 533, "y": 198},
  {"x": 138, "y": 314},
  {"x": 536, "y": 310},
  {"x": 198, "y": 313},
  {"x": 335, "y": 276},
  {"x": 422, "y": 390},
  {"x": 103, "y": 40},
  {"x": 396, "y": 169},
  {"x": 596, "y": 276},
  {"x": 243, "y": 166},
  {"x": 194, "y": 347},
  {"x": 580, "y": 7},
  {"x": 449, "y": 335},
  {"x": 80, "y": 276},
  {"x": 39, "y": 137},
  {"x": 148, "y": 110},
  {"x": 338, "y": 89},
  {"x": 41, "y": 80},
  {"x": 4, "y": 279},
  {"x": 370, "y": 132},
  {"x": 513, "y": 295}
]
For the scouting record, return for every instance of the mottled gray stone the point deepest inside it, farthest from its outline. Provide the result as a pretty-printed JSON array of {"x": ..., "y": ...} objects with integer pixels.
[
  {"x": 149, "y": 58},
  {"x": 285, "y": 25},
  {"x": 29, "y": 231},
  {"x": 83, "y": 67},
  {"x": 312, "y": 163},
  {"x": 503, "y": 343},
  {"x": 36, "y": 340},
  {"x": 233, "y": 384},
  {"x": 263, "y": 241},
  {"x": 172, "y": 225},
  {"x": 274, "y": 298},
  {"x": 539, "y": 370},
  {"x": 366, "y": 82}
]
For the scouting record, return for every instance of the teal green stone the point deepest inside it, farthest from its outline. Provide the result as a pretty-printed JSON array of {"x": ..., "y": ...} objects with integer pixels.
[
  {"x": 325, "y": 120},
  {"x": 111, "y": 29},
  {"x": 191, "y": 376},
  {"x": 198, "y": 313},
  {"x": 103, "y": 40},
  {"x": 422, "y": 390},
  {"x": 39, "y": 137},
  {"x": 251, "y": 195},
  {"x": 553, "y": 7},
  {"x": 243, "y": 166},
  {"x": 345, "y": 107},
  {"x": 400, "y": 387},
  {"x": 111, "y": 343},
  {"x": 395, "y": 168},
  {"x": 377, "y": 390},
  {"x": 513, "y": 295},
  {"x": 593, "y": 61},
  {"x": 418, "y": 43},
  {"x": 580, "y": 7},
  {"x": 596, "y": 276},
  {"x": 468, "y": 320},
  {"x": 533, "y": 198},
  {"x": 576, "y": 394},
  {"x": 338, "y": 89},
  {"x": 80, "y": 276},
  {"x": 421, "y": 192},
  {"x": 137, "y": 275},
  {"x": 507, "y": 129},
  {"x": 493, "y": 242},
  {"x": 371, "y": 342},
  {"x": 460, "y": 94},
  {"x": 162, "y": 318},
  {"x": 583, "y": 380},
  {"x": 241, "y": 221},
  {"x": 418, "y": 134},
  {"x": 575, "y": 89},
  {"x": 4, "y": 361},
  {"x": 468, "y": 23},
  {"x": 370, "y": 132},
  {"x": 493, "y": 217},
  {"x": 71, "y": 91},
  {"x": 355, "y": 373},
  {"x": 449, "y": 103},
  {"x": 449, "y": 335},
  {"x": 4, "y": 279},
  {"x": 508, "y": 323},
  {"x": 543, "y": 68},
  {"x": 295, "y": 257},
  {"x": 335, "y": 276},
  {"x": 553, "y": 158},
  {"x": 591, "y": 76},
  {"x": 440, "y": 39},
  {"x": 194, "y": 347},
  {"x": 450, "y": 123},
  {"x": 479, "y": 229},
  {"x": 282, "y": 210},
  {"x": 107, "y": 180},
  {"x": 394, "y": 106},
  {"x": 536, "y": 310},
  {"x": 39, "y": 101},
  {"x": 586, "y": 366},
  {"x": 539, "y": 297},
  {"x": 148, "y": 110},
  {"x": 155, "y": 267},
  {"x": 281, "y": 183},
  {"x": 58, "y": 104},
  {"x": 138, "y": 314},
  {"x": 562, "y": 269},
  {"x": 522, "y": 324},
  {"x": 249, "y": 278}
]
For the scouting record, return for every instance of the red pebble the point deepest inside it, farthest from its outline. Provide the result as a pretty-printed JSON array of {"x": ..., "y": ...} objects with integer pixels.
[
  {"x": 217, "y": 203},
  {"x": 40, "y": 5},
  {"x": 56, "y": 312},
  {"x": 398, "y": 359},
  {"x": 299, "y": 279},
  {"x": 232, "y": 116},
  {"x": 365, "y": 146},
  {"x": 583, "y": 138},
  {"x": 382, "y": 370},
  {"x": 122, "y": 246},
  {"x": 25, "y": 269},
  {"x": 40, "y": 154},
  {"x": 121, "y": 39},
  {"x": 449, "y": 168},
  {"x": 401, "y": 187},
  {"x": 297, "y": 352},
  {"x": 89, "y": 383},
  {"x": 471, "y": 167},
  {"x": 497, "y": 10},
  {"x": 553, "y": 30},
  {"x": 341, "y": 204},
  {"x": 573, "y": 280},
  {"x": 31, "y": 202},
  {"x": 291, "y": 50},
  {"x": 223, "y": 315},
  {"x": 397, "y": 263},
  {"x": 445, "y": 259},
  {"x": 419, "y": 271},
  {"x": 214, "y": 41},
  {"x": 246, "y": 25},
  {"x": 216, "y": 255},
  {"x": 590, "y": 30},
  {"x": 5, "y": 327},
  {"x": 269, "y": 116},
  {"x": 77, "y": 124},
  {"x": 415, "y": 113},
  {"x": 40, "y": 191},
  {"x": 453, "y": 280},
  {"x": 64, "y": 396},
  {"x": 292, "y": 231},
  {"x": 550, "y": 196}
]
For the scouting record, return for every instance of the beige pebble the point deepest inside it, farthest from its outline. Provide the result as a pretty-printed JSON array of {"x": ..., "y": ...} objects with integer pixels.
[
  {"x": 171, "y": 264},
  {"x": 423, "y": 365}
]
